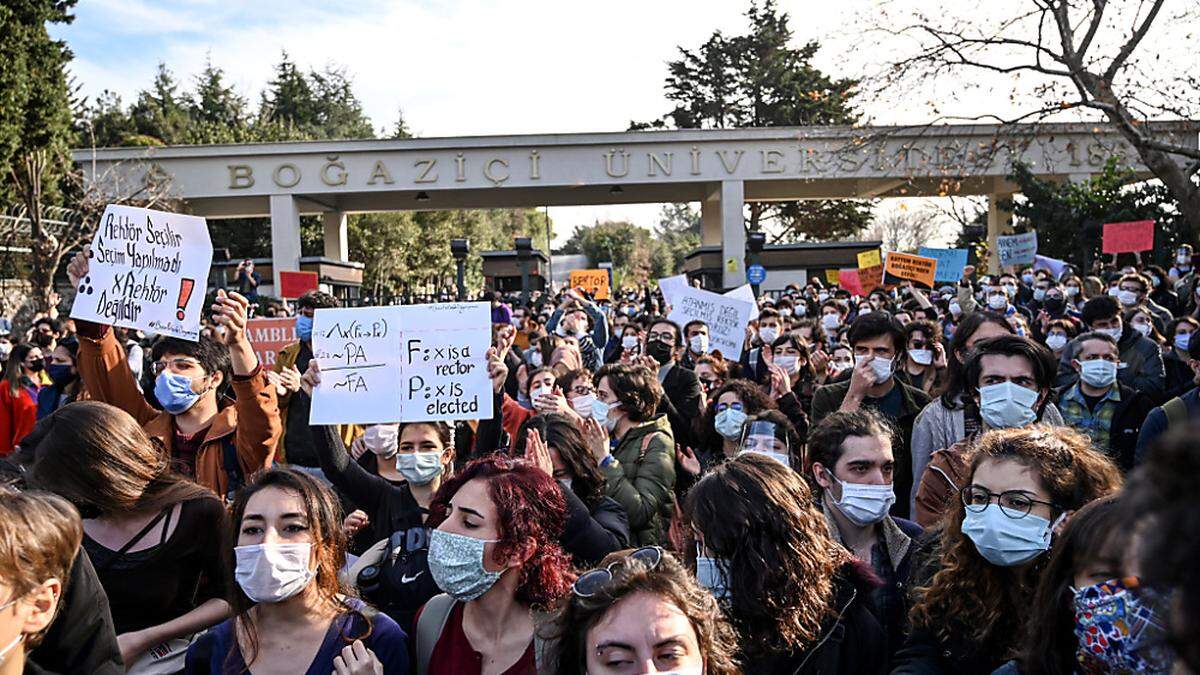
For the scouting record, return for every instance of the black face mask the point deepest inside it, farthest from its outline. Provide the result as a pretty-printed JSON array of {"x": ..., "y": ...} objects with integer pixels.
[
  {"x": 659, "y": 351},
  {"x": 36, "y": 366},
  {"x": 43, "y": 340},
  {"x": 1054, "y": 305}
]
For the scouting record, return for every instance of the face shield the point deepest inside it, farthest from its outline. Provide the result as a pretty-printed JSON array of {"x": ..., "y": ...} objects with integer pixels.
[{"x": 767, "y": 438}]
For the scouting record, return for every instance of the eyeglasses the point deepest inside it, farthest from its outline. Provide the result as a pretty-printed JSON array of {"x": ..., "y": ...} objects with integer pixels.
[
  {"x": 1013, "y": 503},
  {"x": 176, "y": 365},
  {"x": 591, "y": 583},
  {"x": 665, "y": 336},
  {"x": 725, "y": 406}
]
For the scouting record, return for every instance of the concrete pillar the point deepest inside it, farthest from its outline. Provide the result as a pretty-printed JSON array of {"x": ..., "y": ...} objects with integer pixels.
[
  {"x": 285, "y": 236},
  {"x": 336, "y": 245},
  {"x": 725, "y": 206},
  {"x": 999, "y": 222}
]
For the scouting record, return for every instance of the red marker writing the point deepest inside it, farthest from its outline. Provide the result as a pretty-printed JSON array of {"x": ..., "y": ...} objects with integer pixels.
[{"x": 185, "y": 292}]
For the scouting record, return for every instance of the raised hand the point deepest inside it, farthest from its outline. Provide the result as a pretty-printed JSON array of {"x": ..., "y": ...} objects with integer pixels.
[
  {"x": 596, "y": 439},
  {"x": 687, "y": 459},
  {"x": 536, "y": 452}
]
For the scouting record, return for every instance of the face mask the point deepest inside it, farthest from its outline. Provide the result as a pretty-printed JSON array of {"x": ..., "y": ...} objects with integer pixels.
[
  {"x": 1155, "y": 281},
  {"x": 1056, "y": 341},
  {"x": 864, "y": 504},
  {"x": 1071, "y": 291},
  {"x": 456, "y": 563},
  {"x": 1027, "y": 278},
  {"x": 822, "y": 296},
  {"x": 60, "y": 374},
  {"x": 710, "y": 572},
  {"x": 698, "y": 344},
  {"x": 882, "y": 367},
  {"x": 1007, "y": 405},
  {"x": 273, "y": 572},
  {"x": 788, "y": 363},
  {"x": 921, "y": 357},
  {"x": 1098, "y": 372},
  {"x": 1127, "y": 298},
  {"x": 785, "y": 312},
  {"x": 629, "y": 342},
  {"x": 534, "y": 357},
  {"x": 842, "y": 365},
  {"x": 304, "y": 327},
  {"x": 1114, "y": 333},
  {"x": 1005, "y": 541},
  {"x": 777, "y": 456},
  {"x": 1117, "y": 632},
  {"x": 729, "y": 423},
  {"x": 831, "y": 322},
  {"x": 37, "y": 366},
  {"x": 565, "y": 483},
  {"x": 601, "y": 413},
  {"x": 659, "y": 351},
  {"x": 1039, "y": 294},
  {"x": 955, "y": 309},
  {"x": 1010, "y": 290},
  {"x": 382, "y": 439},
  {"x": 538, "y": 392},
  {"x": 12, "y": 645},
  {"x": 582, "y": 405},
  {"x": 174, "y": 392},
  {"x": 5, "y": 350},
  {"x": 1182, "y": 341},
  {"x": 768, "y": 335},
  {"x": 419, "y": 468},
  {"x": 1054, "y": 304},
  {"x": 1143, "y": 328},
  {"x": 1112, "y": 292},
  {"x": 997, "y": 301},
  {"x": 1182, "y": 259}
]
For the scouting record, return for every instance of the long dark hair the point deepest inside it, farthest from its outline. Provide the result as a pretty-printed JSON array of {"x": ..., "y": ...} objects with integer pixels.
[
  {"x": 96, "y": 455},
  {"x": 1095, "y": 533},
  {"x": 559, "y": 432},
  {"x": 754, "y": 399},
  {"x": 15, "y": 367},
  {"x": 951, "y": 397}
]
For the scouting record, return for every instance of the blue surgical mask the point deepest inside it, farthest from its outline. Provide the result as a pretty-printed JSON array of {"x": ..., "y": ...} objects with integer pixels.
[
  {"x": 1098, "y": 373},
  {"x": 729, "y": 423},
  {"x": 1007, "y": 405},
  {"x": 1182, "y": 341},
  {"x": 304, "y": 327},
  {"x": 1004, "y": 541},
  {"x": 419, "y": 468},
  {"x": 174, "y": 392},
  {"x": 456, "y": 563},
  {"x": 711, "y": 573},
  {"x": 600, "y": 413}
]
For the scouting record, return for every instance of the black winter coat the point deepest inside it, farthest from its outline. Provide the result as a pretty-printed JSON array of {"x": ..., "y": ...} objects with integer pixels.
[{"x": 592, "y": 533}]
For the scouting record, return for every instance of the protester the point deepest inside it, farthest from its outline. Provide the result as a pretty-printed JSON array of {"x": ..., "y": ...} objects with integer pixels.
[
  {"x": 496, "y": 558},
  {"x": 152, "y": 535},
  {"x": 793, "y": 383},
  {"x": 712, "y": 373},
  {"x": 725, "y": 418},
  {"x": 291, "y": 613},
  {"x": 295, "y": 443},
  {"x": 924, "y": 365},
  {"x": 572, "y": 319},
  {"x": 1109, "y": 412},
  {"x": 970, "y": 600},
  {"x": 793, "y": 614},
  {"x": 640, "y": 610},
  {"x": 18, "y": 396},
  {"x": 695, "y": 336},
  {"x": 683, "y": 398},
  {"x": 771, "y": 434},
  {"x": 1141, "y": 358},
  {"x": 1176, "y": 412},
  {"x": 220, "y": 446},
  {"x": 247, "y": 281},
  {"x": 852, "y": 467},
  {"x": 64, "y": 384}
]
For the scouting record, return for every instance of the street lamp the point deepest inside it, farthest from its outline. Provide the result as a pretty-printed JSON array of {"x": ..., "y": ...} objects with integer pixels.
[
  {"x": 754, "y": 244},
  {"x": 524, "y": 247},
  {"x": 459, "y": 248}
]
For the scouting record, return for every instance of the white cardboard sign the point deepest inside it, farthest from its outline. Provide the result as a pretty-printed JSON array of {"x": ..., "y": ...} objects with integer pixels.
[
  {"x": 726, "y": 317},
  {"x": 402, "y": 364},
  {"x": 146, "y": 270}
]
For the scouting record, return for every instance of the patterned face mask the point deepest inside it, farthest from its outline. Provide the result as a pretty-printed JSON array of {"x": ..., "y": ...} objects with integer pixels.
[{"x": 1118, "y": 631}]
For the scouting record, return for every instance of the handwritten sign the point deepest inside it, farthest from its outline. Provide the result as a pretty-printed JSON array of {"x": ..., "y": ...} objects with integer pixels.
[
  {"x": 745, "y": 292},
  {"x": 1017, "y": 249},
  {"x": 1130, "y": 237},
  {"x": 402, "y": 364},
  {"x": 868, "y": 259},
  {"x": 848, "y": 279},
  {"x": 146, "y": 270},
  {"x": 950, "y": 262},
  {"x": 870, "y": 278},
  {"x": 833, "y": 276},
  {"x": 592, "y": 281},
  {"x": 726, "y": 317},
  {"x": 908, "y": 267},
  {"x": 296, "y": 284},
  {"x": 269, "y": 336}
]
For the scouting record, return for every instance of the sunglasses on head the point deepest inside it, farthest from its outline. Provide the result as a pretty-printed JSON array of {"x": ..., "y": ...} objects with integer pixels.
[{"x": 590, "y": 583}]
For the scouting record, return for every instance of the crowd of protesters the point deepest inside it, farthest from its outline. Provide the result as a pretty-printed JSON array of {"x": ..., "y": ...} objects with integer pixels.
[{"x": 996, "y": 475}]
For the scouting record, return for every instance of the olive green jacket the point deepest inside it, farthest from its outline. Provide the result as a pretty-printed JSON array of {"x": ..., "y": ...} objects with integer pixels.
[{"x": 641, "y": 478}]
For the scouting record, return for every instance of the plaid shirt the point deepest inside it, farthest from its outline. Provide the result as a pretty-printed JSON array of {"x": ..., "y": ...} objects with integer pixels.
[{"x": 1098, "y": 423}]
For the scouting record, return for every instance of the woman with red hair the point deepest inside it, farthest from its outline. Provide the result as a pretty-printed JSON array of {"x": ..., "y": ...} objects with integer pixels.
[{"x": 497, "y": 559}]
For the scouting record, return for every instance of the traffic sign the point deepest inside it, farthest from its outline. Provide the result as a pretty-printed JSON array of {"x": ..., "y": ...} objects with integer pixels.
[{"x": 756, "y": 274}]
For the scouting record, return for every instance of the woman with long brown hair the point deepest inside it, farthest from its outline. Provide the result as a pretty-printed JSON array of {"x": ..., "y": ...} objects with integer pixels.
[
  {"x": 291, "y": 612},
  {"x": 152, "y": 535},
  {"x": 798, "y": 601},
  {"x": 976, "y": 593}
]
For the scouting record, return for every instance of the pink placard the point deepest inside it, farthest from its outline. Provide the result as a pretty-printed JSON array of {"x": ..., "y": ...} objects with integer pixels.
[{"x": 1130, "y": 237}]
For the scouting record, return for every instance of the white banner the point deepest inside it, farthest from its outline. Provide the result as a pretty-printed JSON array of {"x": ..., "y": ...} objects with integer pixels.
[{"x": 726, "y": 317}]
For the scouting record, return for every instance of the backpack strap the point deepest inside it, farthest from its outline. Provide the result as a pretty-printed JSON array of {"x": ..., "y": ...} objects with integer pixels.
[
  {"x": 645, "y": 447},
  {"x": 1176, "y": 411},
  {"x": 429, "y": 628}
]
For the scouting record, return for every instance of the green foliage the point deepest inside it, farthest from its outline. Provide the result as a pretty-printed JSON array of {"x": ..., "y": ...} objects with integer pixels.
[
  {"x": 758, "y": 80},
  {"x": 636, "y": 256},
  {"x": 676, "y": 234},
  {"x": 1069, "y": 216}
]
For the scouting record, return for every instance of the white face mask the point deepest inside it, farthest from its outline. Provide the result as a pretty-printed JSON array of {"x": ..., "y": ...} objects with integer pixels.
[
  {"x": 788, "y": 363},
  {"x": 1098, "y": 372},
  {"x": 1071, "y": 291},
  {"x": 1143, "y": 328},
  {"x": 921, "y": 357},
  {"x": 629, "y": 342},
  {"x": 1056, "y": 341},
  {"x": 830, "y": 322},
  {"x": 537, "y": 392},
  {"x": 535, "y": 359},
  {"x": 1183, "y": 259},
  {"x": 382, "y": 439},
  {"x": 997, "y": 301},
  {"x": 768, "y": 334},
  {"x": 863, "y": 504},
  {"x": 698, "y": 343},
  {"x": 1114, "y": 333},
  {"x": 419, "y": 468},
  {"x": 955, "y": 309},
  {"x": 582, "y": 405},
  {"x": 1127, "y": 298},
  {"x": 273, "y": 572},
  {"x": 881, "y": 366}
]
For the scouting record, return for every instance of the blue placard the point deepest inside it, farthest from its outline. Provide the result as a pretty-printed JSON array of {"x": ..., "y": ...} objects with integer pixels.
[
  {"x": 951, "y": 262},
  {"x": 756, "y": 274}
]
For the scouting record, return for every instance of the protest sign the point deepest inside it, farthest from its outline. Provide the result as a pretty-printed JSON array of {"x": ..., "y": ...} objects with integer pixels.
[
  {"x": 833, "y": 276},
  {"x": 402, "y": 364},
  {"x": 592, "y": 281},
  {"x": 295, "y": 284},
  {"x": 1130, "y": 237},
  {"x": 671, "y": 287},
  {"x": 745, "y": 292},
  {"x": 1017, "y": 249},
  {"x": 1052, "y": 265},
  {"x": 726, "y": 318},
  {"x": 908, "y": 267},
  {"x": 848, "y": 280},
  {"x": 146, "y": 270},
  {"x": 870, "y": 278},
  {"x": 950, "y": 262},
  {"x": 868, "y": 259},
  {"x": 269, "y": 336}
]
